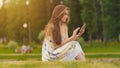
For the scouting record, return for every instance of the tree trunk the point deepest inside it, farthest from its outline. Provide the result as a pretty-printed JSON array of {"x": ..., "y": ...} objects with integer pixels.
[
  {"x": 103, "y": 23},
  {"x": 90, "y": 37}
]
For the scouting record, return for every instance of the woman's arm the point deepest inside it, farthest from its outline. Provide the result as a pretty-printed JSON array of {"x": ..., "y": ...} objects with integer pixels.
[
  {"x": 70, "y": 38},
  {"x": 66, "y": 41},
  {"x": 75, "y": 36}
]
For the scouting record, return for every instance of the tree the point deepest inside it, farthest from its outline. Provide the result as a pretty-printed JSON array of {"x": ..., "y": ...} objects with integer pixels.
[
  {"x": 99, "y": 19},
  {"x": 112, "y": 19},
  {"x": 88, "y": 16},
  {"x": 75, "y": 11},
  {"x": 3, "y": 22}
]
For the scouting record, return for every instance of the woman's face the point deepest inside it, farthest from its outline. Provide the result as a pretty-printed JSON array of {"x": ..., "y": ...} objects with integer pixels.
[{"x": 65, "y": 17}]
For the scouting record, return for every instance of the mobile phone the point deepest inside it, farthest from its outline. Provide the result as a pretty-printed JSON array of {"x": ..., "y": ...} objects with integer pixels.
[{"x": 84, "y": 26}]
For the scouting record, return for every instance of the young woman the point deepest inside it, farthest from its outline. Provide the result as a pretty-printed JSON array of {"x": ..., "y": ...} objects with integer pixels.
[{"x": 57, "y": 46}]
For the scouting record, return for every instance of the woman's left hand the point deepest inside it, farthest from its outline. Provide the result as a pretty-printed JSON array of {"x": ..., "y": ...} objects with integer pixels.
[{"x": 82, "y": 30}]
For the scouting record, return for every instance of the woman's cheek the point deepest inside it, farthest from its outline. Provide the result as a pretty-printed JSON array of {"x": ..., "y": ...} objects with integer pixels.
[{"x": 65, "y": 18}]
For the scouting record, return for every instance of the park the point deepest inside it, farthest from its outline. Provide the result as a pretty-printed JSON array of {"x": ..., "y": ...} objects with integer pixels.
[{"x": 22, "y": 26}]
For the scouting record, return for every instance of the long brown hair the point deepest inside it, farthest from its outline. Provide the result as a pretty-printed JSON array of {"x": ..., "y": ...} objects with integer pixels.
[{"x": 53, "y": 26}]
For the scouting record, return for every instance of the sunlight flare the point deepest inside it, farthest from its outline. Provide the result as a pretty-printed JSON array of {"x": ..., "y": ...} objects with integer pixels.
[{"x": 1, "y": 3}]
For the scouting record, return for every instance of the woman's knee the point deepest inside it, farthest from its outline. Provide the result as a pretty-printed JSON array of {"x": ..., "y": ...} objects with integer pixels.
[{"x": 80, "y": 57}]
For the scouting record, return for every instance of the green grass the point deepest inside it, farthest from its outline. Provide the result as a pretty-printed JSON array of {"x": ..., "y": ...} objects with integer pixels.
[
  {"x": 97, "y": 47},
  {"x": 103, "y": 56},
  {"x": 95, "y": 58},
  {"x": 101, "y": 49},
  {"x": 6, "y": 50},
  {"x": 98, "y": 50},
  {"x": 20, "y": 56},
  {"x": 38, "y": 56},
  {"x": 85, "y": 49},
  {"x": 73, "y": 64}
]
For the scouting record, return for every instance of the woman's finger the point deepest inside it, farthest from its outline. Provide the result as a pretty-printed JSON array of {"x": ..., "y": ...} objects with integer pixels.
[
  {"x": 76, "y": 30},
  {"x": 84, "y": 26}
]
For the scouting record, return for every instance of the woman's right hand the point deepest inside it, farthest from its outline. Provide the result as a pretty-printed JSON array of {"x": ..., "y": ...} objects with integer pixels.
[{"x": 74, "y": 36}]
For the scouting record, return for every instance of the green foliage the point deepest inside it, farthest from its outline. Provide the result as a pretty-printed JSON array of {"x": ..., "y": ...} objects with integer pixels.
[
  {"x": 12, "y": 44},
  {"x": 88, "y": 15},
  {"x": 15, "y": 13},
  {"x": 82, "y": 42},
  {"x": 41, "y": 35},
  {"x": 100, "y": 47},
  {"x": 34, "y": 45},
  {"x": 112, "y": 19},
  {"x": 101, "y": 16},
  {"x": 38, "y": 49},
  {"x": 75, "y": 17}
]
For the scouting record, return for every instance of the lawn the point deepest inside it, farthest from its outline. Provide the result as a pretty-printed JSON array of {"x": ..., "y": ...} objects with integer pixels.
[
  {"x": 72, "y": 64},
  {"x": 98, "y": 56},
  {"x": 98, "y": 50}
]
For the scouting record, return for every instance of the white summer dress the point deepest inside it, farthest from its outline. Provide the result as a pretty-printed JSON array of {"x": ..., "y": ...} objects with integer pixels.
[{"x": 67, "y": 52}]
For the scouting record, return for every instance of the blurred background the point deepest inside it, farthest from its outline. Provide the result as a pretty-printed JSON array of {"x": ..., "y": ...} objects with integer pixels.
[
  {"x": 22, "y": 24},
  {"x": 19, "y": 18}
]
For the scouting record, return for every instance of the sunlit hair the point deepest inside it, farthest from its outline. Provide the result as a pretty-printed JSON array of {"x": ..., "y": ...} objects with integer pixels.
[{"x": 53, "y": 27}]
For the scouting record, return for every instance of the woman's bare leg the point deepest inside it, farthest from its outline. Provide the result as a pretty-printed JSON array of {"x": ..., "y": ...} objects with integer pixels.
[{"x": 80, "y": 57}]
